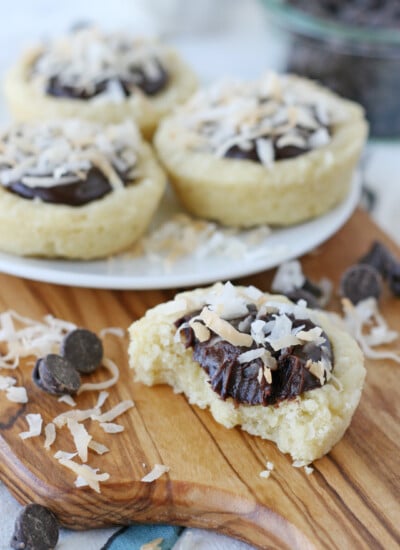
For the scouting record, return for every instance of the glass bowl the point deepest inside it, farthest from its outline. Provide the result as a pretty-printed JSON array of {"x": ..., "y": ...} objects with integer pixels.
[{"x": 358, "y": 62}]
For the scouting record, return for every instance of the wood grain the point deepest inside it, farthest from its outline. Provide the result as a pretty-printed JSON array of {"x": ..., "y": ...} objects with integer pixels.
[{"x": 350, "y": 501}]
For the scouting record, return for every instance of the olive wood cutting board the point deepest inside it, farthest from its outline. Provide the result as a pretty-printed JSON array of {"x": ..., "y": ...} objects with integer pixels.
[{"x": 350, "y": 501}]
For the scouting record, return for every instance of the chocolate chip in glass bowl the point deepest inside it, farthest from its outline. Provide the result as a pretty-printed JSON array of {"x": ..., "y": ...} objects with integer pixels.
[
  {"x": 83, "y": 349},
  {"x": 36, "y": 528},
  {"x": 359, "y": 282},
  {"x": 56, "y": 375}
]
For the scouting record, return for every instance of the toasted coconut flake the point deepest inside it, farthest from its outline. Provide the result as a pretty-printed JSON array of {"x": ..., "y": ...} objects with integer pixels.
[
  {"x": 50, "y": 435},
  {"x": 156, "y": 472},
  {"x": 260, "y": 375},
  {"x": 200, "y": 331},
  {"x": 366, "y": 314},
  {"x": 317, "y": 369},
  {"x": 98, "y": 448},
  {"x": 24, "y": 336},
  {"x": 77, "y": 414},
  {"x": 224, "y": 329},
  {"x": 35, "y": 422},
  {"x": 63, "y": 455},
  {"x": 116, "y": 411},
  {"x": 7, "y": 382},
  {"x": 251, "y": 355},
  {"x": 17, "y": 394},
  {"x": 153, "y": 544},
  {"x": 288, "y": 277},
  {"x": 114, "y": 331},
  {"x": 112, "y": 368},
  {"x": 111, "y": 428},
  {"x": 81, "y": 438},
  {"x": 268, "y": 375},
  {"x": 87, "y": 473},
  {"x": 68, "y": 399},
  {"x": 312, "y": 335},
  {"x": 103, "y": 396}
]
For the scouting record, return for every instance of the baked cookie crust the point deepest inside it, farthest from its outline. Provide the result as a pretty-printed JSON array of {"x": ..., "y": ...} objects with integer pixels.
[
  {"x": 93, "y": 230},
  {"x": 245, "y": 193},
  {"x": 306, "y": 427},
  {"x": 28, "y": 102}
]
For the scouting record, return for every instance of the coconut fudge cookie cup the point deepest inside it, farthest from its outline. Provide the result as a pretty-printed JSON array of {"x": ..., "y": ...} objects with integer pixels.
[
  {"x": 276, "y": 369},
  {"x": 106, "y": 78},
  {"x": 279, "y": 150},
  {"x": 74, "y": 189}
]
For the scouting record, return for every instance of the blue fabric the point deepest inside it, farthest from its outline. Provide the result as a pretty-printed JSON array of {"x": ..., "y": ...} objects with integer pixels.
[{"x": 132, "y": 538}]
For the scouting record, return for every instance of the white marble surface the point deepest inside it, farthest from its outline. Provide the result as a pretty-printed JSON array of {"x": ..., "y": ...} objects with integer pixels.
[{"x": 243, "y": 45}]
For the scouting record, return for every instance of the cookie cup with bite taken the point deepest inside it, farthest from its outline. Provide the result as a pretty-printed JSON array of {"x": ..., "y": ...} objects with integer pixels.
[
  {"x": 279, "y": 150},
  {"x": 276, "y": 369}
]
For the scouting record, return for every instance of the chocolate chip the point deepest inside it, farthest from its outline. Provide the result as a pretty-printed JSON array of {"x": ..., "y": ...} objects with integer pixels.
[
  {"x": 302, "y": 294},
  {"x": 359, "y": 282},
  {"x": 379, "y": 257},
  {"x": 36, "y": 528},
  {"x": 83, "y": 349},
  {"x": 56, "y": 375},
  {"x": 394, "y": 279}
]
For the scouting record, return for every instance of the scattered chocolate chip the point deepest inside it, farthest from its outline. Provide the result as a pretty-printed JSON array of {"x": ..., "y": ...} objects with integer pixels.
[
  {"x": 312, "y": 288},
  {"x": 359, "y": 282},
  {"x": 394, "y": 279},
  {"x": 56, "y": 375},
  {"x": 379, "y": 257},
  {"x": 302, "y": 294},
  {"x": 36, "y": 528},
  {"x": 83, "y": 349}
]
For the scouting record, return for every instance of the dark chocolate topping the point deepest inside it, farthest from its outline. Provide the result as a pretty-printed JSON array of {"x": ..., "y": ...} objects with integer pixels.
[
  {"x": 94, "y": 186},
  {"x": 240, "y": 381},
  {"x": 139, "y": 79}
]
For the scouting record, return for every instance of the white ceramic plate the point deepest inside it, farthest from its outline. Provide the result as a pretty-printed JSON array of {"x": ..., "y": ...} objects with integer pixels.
[{"x": 128, "y": 272}]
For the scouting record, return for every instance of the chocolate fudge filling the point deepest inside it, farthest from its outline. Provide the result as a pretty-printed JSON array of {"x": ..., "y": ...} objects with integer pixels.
[
  {"x": 93, "y": 186},
  {"x": 138, "y": 78},
  {"x": 280, "y": 153},
  {"x": 241, "y": 381}
]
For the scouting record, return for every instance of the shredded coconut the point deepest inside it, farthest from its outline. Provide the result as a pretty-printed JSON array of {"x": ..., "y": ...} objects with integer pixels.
[
  {"x": 156, "y": 472},
  {"x": 98, "y": 448},
  {"x": 58, "y": 152},
  {"x": 35, "y": 422},
  {"x": 111, "y": 428},
  {"x": 272, "y": 112},
  {"x": 81, "y": 438},
  {"x": 68, "y": 399},
  {"x": 224, "y": 329},
  {"x": 86, "y": 474},
  {"x": 182, "y": 236},
  {"x": 88, "y": 56},
  {"x": 112, "y": 368},
  {"x": 50, "y": 435},
  {"x": 17, "y": 394},
  {"x": 366, "y": 315},
  {"x": 265, "y": 474},
  {"x": 113, "y": 413},
  {"x": 288, "y": 277},
  {"x": 6, "y": 382}
]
